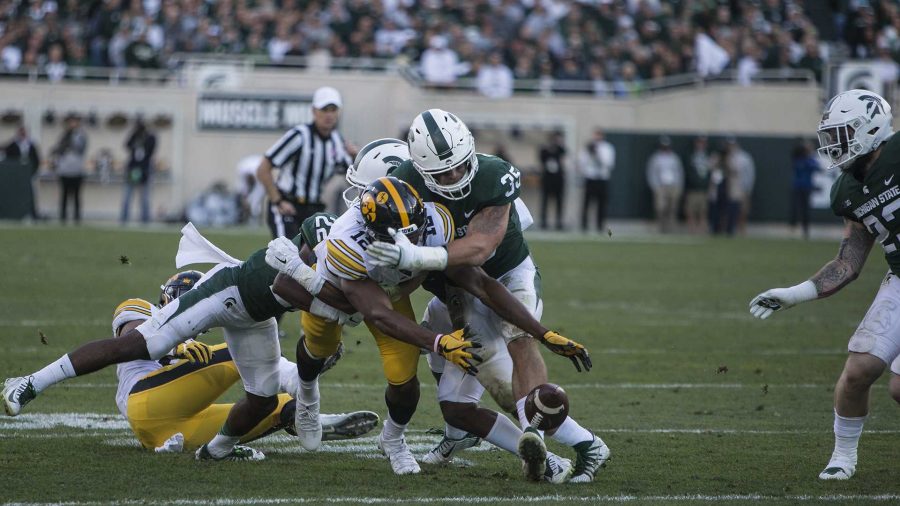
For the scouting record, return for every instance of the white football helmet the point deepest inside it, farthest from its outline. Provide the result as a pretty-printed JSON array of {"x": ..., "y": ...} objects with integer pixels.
[
  {"x": 438, "y": 142},
  {"x": 854, "y": 124},
  {"x": 376, "y": 159}
]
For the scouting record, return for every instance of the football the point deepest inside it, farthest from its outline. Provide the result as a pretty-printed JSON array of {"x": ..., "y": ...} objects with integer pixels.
[{"x": 547, "y": 406}]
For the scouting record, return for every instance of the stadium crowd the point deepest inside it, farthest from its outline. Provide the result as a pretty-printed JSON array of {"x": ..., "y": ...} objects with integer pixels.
[{"x": 619, "y": 46}]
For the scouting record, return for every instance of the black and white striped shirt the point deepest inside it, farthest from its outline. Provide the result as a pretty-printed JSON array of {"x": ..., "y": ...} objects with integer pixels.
[{"x": 307, "y": 160}]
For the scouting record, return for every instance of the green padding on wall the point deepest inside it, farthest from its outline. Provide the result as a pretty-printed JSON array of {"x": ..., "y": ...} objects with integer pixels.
[{"x": 15, "y": 190}]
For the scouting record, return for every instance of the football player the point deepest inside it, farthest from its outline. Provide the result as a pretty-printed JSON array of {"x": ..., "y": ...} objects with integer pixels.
[
  {"x": 378, "y": 158},
  {"x": 479, "y": 191},
  {"x": 169, "y": 403},
  {"x": 240, "y": 299},
  {"x": 856, "y": 135}
]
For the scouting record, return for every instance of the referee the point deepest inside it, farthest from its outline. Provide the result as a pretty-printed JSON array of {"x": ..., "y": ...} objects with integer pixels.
[{"x": 307, "y": 156}]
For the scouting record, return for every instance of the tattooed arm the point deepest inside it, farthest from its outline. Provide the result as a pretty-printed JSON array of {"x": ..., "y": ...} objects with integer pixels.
[
  {"x": 833, "y": 276},
  {"x": 846, "y": 266},
  {"x": 485, "y": 233}
]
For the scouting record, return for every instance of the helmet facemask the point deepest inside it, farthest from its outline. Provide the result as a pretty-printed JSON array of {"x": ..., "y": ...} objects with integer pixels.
[
  {"x": 454, "y": 191},
  {"x": 838, "y": 144}
]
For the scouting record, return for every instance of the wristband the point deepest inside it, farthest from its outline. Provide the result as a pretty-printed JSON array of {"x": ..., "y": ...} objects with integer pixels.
[
  {"x": 323, "y": 310},
  {"x": 437, "y": 340},
  {"x": 804, "y": 292}
]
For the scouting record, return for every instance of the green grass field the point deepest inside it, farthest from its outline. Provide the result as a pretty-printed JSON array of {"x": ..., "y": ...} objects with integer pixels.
[{"x": 697, "y": 400}]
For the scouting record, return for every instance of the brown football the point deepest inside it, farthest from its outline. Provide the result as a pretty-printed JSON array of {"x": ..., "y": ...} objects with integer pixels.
[{"x": 547, "y": 406}]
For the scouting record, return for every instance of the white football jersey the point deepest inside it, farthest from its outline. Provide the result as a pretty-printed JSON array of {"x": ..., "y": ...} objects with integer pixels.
[
  {"x": 342, "y": 255},
  {"x": 130, "y": 373}
]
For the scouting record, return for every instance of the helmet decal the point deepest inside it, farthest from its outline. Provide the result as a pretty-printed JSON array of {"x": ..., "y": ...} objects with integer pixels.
[
  {"x": 381, "y": 198},
  {"x": 873, "y": 104},
  {"x": 401, "y": 207},
  {"x": 367, "y": 206}
]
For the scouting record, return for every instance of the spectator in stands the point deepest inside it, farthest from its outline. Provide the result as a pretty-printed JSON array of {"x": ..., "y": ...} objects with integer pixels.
[
  {"x": 141, "y": 146},
  {"x": 717, "y": 197},
  {"x": 68, "y": 163},
  {"x": 23, "y": 149},
  {"x": 552, "y": 157},
  {"x": 696, "y": 187},
  {"x": 665, "y": 176},
  {"x": 495, "y": 80},
  {"x": 55, "y": 68},
  {"x": 805, "y": 165},
  {"x": 741, "y": 176},
  {"x": 596, "y": 163},
  {"x": 440, "y": 64}
]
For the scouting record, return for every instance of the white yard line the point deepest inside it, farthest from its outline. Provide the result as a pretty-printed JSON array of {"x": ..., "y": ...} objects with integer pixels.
[{"x": 554, "y": 498}]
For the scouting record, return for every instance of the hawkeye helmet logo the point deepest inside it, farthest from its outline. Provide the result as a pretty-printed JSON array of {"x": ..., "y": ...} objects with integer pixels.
[
  {"x": 873, "y": 105},
  {"x": 367, "y": 207}
]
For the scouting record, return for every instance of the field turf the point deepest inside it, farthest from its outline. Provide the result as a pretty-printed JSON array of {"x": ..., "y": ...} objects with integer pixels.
[{"x": 698, "y": 401}]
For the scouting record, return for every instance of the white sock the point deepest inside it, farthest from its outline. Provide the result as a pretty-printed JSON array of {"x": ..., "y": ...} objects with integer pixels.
[
  {"x": 520, "y": 410},
  {"x": 523, "y": 420},
  {"x": 221, "y": 445},
  {"x": 392, "y": 430},
  {"x": 52, "y": 374},
  {"x": 453, "y": 433},
  {"x": 288, "y": 377},
  {"x": 570, "y": 433},
  {"x": 847, "y": 431},
  {"x": 504, "y": 434},
  {"x": 308, "y": 393}
]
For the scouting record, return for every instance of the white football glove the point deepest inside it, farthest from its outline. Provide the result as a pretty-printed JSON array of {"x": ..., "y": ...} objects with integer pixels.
[
  {"x": 283, "y": 256},
  {"x": 763, "y": 305},
  {"x": 406, "y": 255}
]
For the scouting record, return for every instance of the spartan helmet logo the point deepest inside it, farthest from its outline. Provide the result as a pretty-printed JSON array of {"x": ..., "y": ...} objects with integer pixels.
[
  {"x": 367, "y": 206},
  {"x": 873, "y": 105}
]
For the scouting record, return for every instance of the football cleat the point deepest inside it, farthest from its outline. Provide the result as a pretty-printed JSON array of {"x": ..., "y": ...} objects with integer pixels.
[
  {"x": 347, "y": 425},
  {"x": 17, "y": 392},
  {"x": 838, "y": 470},
  {"x": 402, "y": 460},
  {"x": 558, "y": 469},
  {"x": 590, "y": 457},
  {"x": 237, "y": 454},
  {"x": 175, "y": 444},
  {"x": 307, "y": 425},
  {"x": 533, "y": 453},
  {"x": 445, "y": 450}
]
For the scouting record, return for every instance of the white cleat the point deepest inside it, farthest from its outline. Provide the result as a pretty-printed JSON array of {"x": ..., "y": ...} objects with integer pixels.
[
  {"x": 591, "y": 456},
  {"x": 558, "y": 469},
  {"x": 533, "y": 453},
  {"x": 341, "y": 426},
  {"x": 838, "y": 470},
  {"x": 402, "y": 460},
  {"x": 445, "y": 450},
  {"x": 17, "y": 392},
  {"x": 307, "y": 425},
  {"x": 174, "y": 444},
  {"x": 239, "y": 453}
]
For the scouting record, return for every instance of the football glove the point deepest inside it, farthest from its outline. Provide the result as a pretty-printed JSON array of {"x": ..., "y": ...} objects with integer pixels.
[
  {"x": 456, "y": 348},
  {"x": 566, "y": 347},
  {"x": 194, "y": 352},
  {"x": 406, "y": 255},
  {"x": 763, "y": 305},
  {"x": 282, "y": 255}
]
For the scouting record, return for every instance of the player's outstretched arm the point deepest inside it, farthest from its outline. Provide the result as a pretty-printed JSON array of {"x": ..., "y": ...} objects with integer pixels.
[
  {"x": 485, "y": 233},
  {"x": 836, "y": 274},
  {"x": 375, "y": 306},
  {"x": 497, "y": 297},
  {"x": 290, "y": 290}
]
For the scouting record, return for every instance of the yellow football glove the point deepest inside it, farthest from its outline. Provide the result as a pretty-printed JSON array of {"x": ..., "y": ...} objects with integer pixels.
[
  {"x": 456, "y": 348},
  {"x": 566, "y": 347},
  {"x": 194, "y": 351}
]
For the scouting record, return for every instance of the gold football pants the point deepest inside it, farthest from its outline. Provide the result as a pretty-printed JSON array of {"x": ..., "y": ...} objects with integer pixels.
[
  {"x": 398, "y": 359},
  {"x": 179, "y": 398}
]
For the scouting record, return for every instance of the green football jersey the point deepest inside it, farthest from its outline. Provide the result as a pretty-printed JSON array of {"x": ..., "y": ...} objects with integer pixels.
[
  {"x": 254, "y": 277},
  {"x": 875, "y": 202},
  {"x": 496, "y": 183}
]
